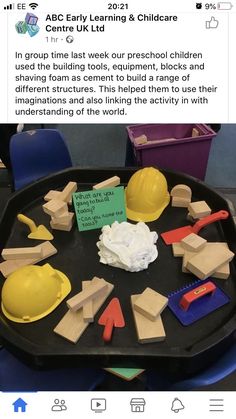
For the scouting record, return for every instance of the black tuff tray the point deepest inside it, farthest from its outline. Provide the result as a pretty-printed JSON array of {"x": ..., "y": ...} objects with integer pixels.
[{"x": 185, "y": 349}]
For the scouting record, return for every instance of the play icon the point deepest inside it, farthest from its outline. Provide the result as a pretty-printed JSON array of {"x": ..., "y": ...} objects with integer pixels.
[{"x": 98, "y": 405}]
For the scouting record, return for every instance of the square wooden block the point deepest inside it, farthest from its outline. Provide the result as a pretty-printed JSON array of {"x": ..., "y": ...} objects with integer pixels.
[
  {"x": 150, "y": 303},
  {"x": 193, "y": 242},
  {"x": 55, "y": 208},
  {"x": 199, "y": 209}
]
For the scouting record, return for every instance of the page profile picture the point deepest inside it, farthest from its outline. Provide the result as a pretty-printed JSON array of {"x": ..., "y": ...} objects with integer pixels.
[{"x": 29, "y": 25}]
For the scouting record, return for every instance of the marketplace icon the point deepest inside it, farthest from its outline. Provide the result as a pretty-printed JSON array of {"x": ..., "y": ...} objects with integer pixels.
[{"x": 28, "y": 25}]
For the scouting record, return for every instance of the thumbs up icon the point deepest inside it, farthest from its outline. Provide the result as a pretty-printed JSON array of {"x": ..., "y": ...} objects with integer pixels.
[{"x": 212, "y": 24}]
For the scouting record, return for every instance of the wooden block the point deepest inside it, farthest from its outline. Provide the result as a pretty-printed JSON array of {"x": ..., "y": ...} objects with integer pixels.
[
  {"x": 61, "y": 226},
  {"x": 147, "y": 331},
  {"x": 55, "y": 195},
  {"x": 177, "y": 249},
  {"x": 109, "y": 183},
  {"x": 180, "y": 202},
  {"x": 66, "y": 218},
  {"x": 87, "y": 307},
  {"x": 22, "y": 253},
  {"x": 52, "y": 195},
  {"x": 208, "y": 260},
  {"x": 195, "y": 132},
  {"x": 193, "y": 242},
  {"x": 150, "y": 304},
  {"x": 187, "y": 256},
  {"x": 199, "y": 209},
  {"x": 10, "y": 266},
  {"x": 67, "y": 192},
  {"x": 223, "y": 272},
  {"x": 141, "y": 140},
  {"x": 181, "y": 191},
  {"x": 157, "y": 141},
  {"x": 72, "y": 325},
  {"x": 55, "y": 208},
  {"x": 96, "y": 288}
]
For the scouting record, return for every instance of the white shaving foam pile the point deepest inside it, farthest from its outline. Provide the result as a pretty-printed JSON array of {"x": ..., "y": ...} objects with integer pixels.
[{"x": 127, "y": 246}]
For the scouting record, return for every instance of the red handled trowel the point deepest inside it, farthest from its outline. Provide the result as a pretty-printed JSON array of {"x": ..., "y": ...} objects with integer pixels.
[
  {"x": 174, "y": 236},
  {"x": 111, "y": 317}
]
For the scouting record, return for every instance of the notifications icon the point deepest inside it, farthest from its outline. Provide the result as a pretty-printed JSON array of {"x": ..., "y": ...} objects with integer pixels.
[{"x": 177, "y": 405}]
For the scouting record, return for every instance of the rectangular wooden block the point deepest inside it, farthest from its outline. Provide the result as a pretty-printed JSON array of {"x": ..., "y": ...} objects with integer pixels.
[
  {"x": 10, "y": 266},
  {"x": 199, "y": 209},
  {"x": 61, "y": 226},
  {"x": 180, "y": 202},
  {"x": 193, "y": 242},
  {"x": 66, "y": 218},
  {"x": 67, "y": 192},
  {"x": 96, "y": 288},
  {"x": 142, "y": 139},
  {"x": 208, "y": 260},
  {"x": 87, "y": 307},
  {"x": 222, "y": 272},
  {"x": 109, "y": 183},
  {"x": 195, "y": 132},
  {"x": 55, "y": 195},
  {"x": 22, "y": 253},
  {"x": 177, "y": 249},
  {"x": 72, "y": 325},
  {"x": 55, "y": 208},
  {"x": 150, "y": 304},
  {"x": 147, "y": 331}
]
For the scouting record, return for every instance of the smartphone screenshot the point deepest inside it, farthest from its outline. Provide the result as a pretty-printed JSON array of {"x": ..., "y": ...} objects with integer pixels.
[{"x": 117, "y": 209}]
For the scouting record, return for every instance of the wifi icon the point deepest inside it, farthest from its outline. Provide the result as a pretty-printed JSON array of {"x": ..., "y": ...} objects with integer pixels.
[{"x": 33, "y": 5}]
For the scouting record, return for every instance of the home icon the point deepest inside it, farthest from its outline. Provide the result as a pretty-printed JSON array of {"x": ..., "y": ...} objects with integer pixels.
[
  {"x": 137, "y": 405},
  {"x": 19, "y": 405}
]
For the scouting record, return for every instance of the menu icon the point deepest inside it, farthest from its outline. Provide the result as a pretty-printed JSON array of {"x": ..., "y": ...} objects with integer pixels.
[{"x": 216, "y": 405}]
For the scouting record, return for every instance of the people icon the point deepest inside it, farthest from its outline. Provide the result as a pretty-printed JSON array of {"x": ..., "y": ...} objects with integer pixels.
[
  {"x": 63, "y": 406},
  {"x": 59, "y": 406}
]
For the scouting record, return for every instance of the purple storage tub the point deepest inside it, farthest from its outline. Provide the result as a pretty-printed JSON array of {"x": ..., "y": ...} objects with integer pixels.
[{"x": 174, "y": 147}]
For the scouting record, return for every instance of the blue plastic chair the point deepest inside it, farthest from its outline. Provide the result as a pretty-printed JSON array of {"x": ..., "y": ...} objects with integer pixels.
[
  {"x": 223, "y": 367},
  {"x": 38, "y": 153},
  {"x": 16, "y": 376}
]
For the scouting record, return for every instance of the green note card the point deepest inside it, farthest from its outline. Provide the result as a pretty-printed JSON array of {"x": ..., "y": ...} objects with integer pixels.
[
  {"x": 97, "y": 208},
  {"x": 127, "y": 374}
]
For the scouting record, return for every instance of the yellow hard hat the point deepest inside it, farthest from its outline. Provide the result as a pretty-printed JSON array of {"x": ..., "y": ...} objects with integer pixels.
[
  {"x": 146, "y": 195},
  {"x": 32, "y": 292}
]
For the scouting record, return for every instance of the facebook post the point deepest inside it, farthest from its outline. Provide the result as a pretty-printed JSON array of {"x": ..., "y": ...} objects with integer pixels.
[{"x": 117, "y": 208}]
